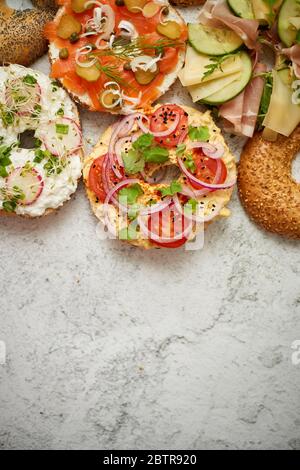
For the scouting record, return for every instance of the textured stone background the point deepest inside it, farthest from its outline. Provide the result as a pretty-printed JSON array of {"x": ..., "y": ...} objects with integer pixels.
[{"x": 110, "y": 347}]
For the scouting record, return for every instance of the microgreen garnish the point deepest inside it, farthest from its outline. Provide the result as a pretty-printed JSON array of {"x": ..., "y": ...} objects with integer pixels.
[{"x": 11, "y": 198}]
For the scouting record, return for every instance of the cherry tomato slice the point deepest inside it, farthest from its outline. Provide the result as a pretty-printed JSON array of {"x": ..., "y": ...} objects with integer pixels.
[
  {"x": 166, "y": 224},
  {"x": 95, "y": 182},
  {"x": 163, "y": 118},
  {"x": 206, "y": 168}
]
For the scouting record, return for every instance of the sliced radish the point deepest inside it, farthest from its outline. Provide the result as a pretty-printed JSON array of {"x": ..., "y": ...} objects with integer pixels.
[
  {"x": 28, "y": 181},
  {"x": 22, "y": 97},
  {"x": 60, "y": 136}
]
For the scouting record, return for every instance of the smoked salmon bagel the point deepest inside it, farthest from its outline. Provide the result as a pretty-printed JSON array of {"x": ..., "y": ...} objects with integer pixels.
[
  {"x": 156, "y": 178},
  {"x": 21, "y": 34},
  {"x": 116, "y": 55},
  {"x": 268, "y": 192},
  {"x": 40, "y": 143}
]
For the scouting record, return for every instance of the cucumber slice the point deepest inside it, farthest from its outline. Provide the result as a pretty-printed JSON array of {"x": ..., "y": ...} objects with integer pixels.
[
  {"x": 213, "y": 41},
  {"x": 231, "y": 91},
  {"x": 242, "y": 8},
  {"x": 286, "y": 30}
]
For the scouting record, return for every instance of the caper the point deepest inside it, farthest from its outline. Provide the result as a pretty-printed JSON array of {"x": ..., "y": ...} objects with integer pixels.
[
  {"x": 120, "y": 3},
  {"x": 127, "y": 66},
  {"x": 64, "y": 53},
  {"x": 74, "y": 38}
]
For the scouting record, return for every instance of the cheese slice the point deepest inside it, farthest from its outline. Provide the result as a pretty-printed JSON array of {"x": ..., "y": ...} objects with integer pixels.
[
  {"x": 204, "y": 90},
  {"x": 283, "y": 116},
  {"x": 196, "y": 66}
]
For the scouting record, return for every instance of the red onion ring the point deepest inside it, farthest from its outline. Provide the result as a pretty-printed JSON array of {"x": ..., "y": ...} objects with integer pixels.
[
  {"x": 193, "y": 193},
  {"x": 195, "y": 218},
  {"x": 213, "y": 186},
  {"x": 165, "y": 133},
  {"x": 214, "y": 151}
]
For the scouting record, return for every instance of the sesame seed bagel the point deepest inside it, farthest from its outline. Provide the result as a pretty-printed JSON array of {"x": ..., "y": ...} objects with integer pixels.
[
  {"x": 268, "y": 192},
  {"x": 21, "y": 34}
]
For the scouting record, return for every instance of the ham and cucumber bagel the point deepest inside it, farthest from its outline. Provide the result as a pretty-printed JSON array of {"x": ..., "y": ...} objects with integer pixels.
[
  {"x": 155, "y": 178},
  {"x": 116, "y": 55},
  {"x": 21, "y": 34},
  {"x": 269, "y": 194},
  {"x": 40, "y": 143}
]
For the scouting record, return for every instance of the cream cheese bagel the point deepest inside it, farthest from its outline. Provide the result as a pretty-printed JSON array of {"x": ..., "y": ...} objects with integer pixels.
[
  {"x": 155, "y": 179},
  {"x": 39, "y": 179},
  {"x": 116, "y": 58}
]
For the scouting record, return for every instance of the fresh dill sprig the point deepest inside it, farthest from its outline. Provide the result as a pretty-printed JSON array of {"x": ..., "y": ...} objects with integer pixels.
[
  {"x": 124, "y": 50},
  {"x": 216, "y": 64},
  {"x": 112, "y": 72}
]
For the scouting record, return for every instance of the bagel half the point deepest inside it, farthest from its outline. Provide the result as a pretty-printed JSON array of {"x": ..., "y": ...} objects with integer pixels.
[
  {"x": 56, "y": 164},
  {"x": 267, "y": 190},
  {"x": 21, "y": 34},
  {"x": 85, "y": 100},
  {"x": 197, "y": 118}
]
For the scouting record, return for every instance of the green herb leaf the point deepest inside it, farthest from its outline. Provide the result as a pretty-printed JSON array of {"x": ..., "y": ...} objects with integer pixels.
[
  {"x": 156, "y": 154},
  {"x": 62, "y": 129},
  {"x": 130, "y": 194},
  {"x": 3, "y": 172},
  {"x": 9, "y": 206},
  {"x": 216, "y": 63},
  {"x": 189, "y": 163},
  {"x": 180, "y": 150},
  {"x": 144, "y": 141},
  {"x": 191, "y": 206},
  {"x": 29, "y": 80},
  {"x": 133, "y": 161},
  {"x": 128, "y": 233},
  {"x": 199, "y": 133},
  {"x": 60, "y": 112},
  {"x": 174, "y": 188}
]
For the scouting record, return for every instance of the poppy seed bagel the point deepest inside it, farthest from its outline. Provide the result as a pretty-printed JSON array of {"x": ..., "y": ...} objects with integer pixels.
[
  {"x": 21, "y": 34},
  {"x": 267, "y": 190}
]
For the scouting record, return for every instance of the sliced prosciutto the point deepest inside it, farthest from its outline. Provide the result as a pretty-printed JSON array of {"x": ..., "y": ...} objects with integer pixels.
[
  {"x": 217, "y": 14},
  {"x": 241, "y": 112}
]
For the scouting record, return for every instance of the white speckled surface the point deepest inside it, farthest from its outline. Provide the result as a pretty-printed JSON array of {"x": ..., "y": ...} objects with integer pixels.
[{"x": 111, "y": 347}]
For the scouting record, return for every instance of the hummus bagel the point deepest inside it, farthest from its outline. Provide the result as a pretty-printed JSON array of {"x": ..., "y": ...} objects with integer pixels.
[
  {"x": 268, "y": 192},
  {"x": 155, "y": 178},
  {"x": 36, "y": 180},
  {"x": 21, "y": 34},
  {"x": 116, "y": 55}
]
